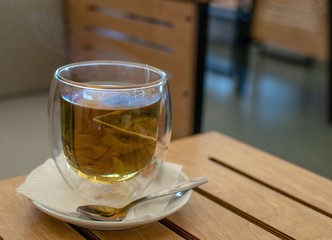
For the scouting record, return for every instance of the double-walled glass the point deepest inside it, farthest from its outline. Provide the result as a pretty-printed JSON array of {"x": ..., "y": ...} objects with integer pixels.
[{"x": 110, "y": 127}]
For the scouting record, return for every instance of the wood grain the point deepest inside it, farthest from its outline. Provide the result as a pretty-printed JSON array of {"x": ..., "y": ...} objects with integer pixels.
[
  {"x": 262, "y": 203},
  {"x": 215, "y": 222},
  {"x": 21, "y": 220},
  {"x": 268, "y": 168},
  {"x": 149, "y": 231}
]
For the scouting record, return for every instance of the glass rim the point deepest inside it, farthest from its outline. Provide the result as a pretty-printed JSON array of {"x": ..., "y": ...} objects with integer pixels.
[{"x": 161, "y": 80}]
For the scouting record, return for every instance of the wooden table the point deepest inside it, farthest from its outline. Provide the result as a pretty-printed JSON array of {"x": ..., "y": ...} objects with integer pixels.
[{"x": 250, "y": 195}]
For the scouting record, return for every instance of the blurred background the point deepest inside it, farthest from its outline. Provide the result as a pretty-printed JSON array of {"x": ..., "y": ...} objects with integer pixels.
[{"x": 264, "y": 80}]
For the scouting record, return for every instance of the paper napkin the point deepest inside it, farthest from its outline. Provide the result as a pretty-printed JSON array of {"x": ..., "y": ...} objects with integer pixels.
[{"x": 46, "y": 186}]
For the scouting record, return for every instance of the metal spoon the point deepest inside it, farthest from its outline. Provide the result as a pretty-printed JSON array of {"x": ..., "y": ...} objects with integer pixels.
[{"x": 105, "y": 213}]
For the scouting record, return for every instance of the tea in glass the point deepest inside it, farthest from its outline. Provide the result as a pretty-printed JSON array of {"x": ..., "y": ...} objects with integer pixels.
[
  {"x": 107, "y": 145},
  {"x": 110, "y": 127}
]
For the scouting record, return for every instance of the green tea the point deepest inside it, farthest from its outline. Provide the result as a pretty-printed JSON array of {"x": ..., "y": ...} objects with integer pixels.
[{"x": 105, "y": 144}]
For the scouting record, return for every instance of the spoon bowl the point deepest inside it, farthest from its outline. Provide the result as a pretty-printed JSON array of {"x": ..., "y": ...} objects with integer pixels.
[{"x": 106, "y": 213}]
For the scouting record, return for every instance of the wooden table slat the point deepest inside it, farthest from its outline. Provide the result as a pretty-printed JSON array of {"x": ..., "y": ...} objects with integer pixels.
[
  {"x": 215, "y": 222},
  {"x": 264, "y": 204},
  {"x": 298, "y": 182},
  {"x": 150, "y": 231},
  {"x": 24, "y": 221}
]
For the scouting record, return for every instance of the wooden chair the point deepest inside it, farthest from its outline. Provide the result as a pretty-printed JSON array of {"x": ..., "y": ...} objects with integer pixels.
[
  {"x": 297, "y": 26},
  {"x": 161, "y": 33},
  {"x": 302, "y": 27}
]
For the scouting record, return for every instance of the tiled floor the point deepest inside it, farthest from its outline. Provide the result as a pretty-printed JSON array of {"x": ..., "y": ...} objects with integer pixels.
[{"x": 282, "y": 111}]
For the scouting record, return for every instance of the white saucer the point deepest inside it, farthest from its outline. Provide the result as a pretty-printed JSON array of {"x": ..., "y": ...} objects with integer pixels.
[{"x": 173, "y": 206}]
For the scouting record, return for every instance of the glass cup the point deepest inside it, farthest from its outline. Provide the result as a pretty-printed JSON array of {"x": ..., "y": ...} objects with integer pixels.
[{"x": 110, "y": 127}]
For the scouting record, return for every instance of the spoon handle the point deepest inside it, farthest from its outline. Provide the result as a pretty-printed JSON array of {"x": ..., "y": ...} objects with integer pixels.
[{"x": 184, "y": 186}]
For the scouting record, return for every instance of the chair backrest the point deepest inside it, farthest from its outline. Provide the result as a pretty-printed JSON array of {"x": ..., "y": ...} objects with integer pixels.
[
  {"x": 299, "y": 26},
  {"x": 161, "y": 33}
]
